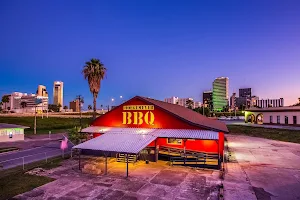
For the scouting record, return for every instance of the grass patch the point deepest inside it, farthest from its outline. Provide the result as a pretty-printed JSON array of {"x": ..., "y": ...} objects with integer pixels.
[
  {"x": 14, "y": 181},
  {"x": 53, "y": 124},
  {"x": 268, "y": 133},
  {"x": 7, "y": 149},
  {"x": 19, "y": 183}
]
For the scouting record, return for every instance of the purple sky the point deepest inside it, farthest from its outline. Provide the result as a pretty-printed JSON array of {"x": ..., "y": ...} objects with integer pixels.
[{"x": 152, "y": 48}]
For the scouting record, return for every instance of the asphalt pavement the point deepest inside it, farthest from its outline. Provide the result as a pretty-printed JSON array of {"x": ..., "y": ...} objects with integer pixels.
[{"x": 48, "y": 150}]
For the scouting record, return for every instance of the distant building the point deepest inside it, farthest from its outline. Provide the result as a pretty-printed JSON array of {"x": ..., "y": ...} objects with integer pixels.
[
  {"x": 75, "y": 105},
  {"x": 26, "y": 103},
  {"x": 172, "y": 100},
  {"x": 220, "y": 93},
  {"x": 182, "y": 101},
  {"x": 58, "y": 93},
  {"x": 41, "y": 91},
  {"x": 265, "y": 103},
  {"x": 207, "y": 100},
  {"x": 233, "y": 101},
  {"x": 286, "y": 115},
  {"x": 197, "y": 104},
  {"x": 245, "y": 92}
]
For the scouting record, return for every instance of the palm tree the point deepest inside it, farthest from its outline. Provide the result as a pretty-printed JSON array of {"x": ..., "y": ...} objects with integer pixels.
[
  {"x": 189, "y": 103},
  {"x": 94, "y": 72},
  {"x": 5, "y": 100}
]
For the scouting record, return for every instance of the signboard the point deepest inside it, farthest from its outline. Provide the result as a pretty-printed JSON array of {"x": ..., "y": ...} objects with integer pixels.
[{"x": 138, "y": 114}]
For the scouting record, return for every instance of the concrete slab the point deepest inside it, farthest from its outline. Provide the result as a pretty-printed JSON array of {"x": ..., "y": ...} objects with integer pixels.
[
  {"x": 267, "y": 168},
  {"x": 155, "y": 181}
]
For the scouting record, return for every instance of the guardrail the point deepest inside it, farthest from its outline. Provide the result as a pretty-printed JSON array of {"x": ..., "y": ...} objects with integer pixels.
[{"x": 22, "y": 161}]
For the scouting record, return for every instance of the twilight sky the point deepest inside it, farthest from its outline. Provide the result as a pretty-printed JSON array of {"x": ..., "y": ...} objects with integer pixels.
[{"x": 155, "y": 48}]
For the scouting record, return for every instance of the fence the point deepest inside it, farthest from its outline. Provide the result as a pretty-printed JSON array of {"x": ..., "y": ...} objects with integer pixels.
[{"x": 33, "y": 160}]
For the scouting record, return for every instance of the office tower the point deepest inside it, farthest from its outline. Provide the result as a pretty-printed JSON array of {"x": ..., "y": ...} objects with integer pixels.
[
  {"x": 245, "y": 92},
  {"x": 233, "y": 101},
  {"x": 75, "y": 105},
  {"x": 41, "y": 91},
  {"x": 207, "y": 100},
  {"x": 58, "y": 93},
  {"x": 220, "y": 93}
]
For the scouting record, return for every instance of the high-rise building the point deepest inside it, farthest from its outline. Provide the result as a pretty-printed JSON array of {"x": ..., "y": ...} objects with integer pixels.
[
  {"x": 233, "y": 101},
  {"x": 207, "y": 99},
  {"x": 58, "y": 93},
  {"x": 245, "y": 92},
  {"x": 265, "y": 103},
  {"x": 41, "y": 91},
  {"x": 220, "y": 93},
  {"x": 75, "y": 105}
]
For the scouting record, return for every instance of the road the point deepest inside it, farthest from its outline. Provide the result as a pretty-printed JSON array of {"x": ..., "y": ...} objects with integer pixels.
[
  {"x": 242, "y": 123},
  {"x": 48, "y": 150}
]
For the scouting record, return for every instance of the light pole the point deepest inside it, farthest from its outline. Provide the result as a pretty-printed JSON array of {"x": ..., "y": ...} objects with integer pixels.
[{"x": 112, "y": 103}]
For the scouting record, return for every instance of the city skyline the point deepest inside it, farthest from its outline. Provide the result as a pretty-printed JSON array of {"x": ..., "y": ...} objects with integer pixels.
[{"x": 253, "y": 46}]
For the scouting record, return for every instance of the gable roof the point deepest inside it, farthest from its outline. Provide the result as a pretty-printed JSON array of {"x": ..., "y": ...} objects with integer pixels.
[{"x": 188, "y": 115}]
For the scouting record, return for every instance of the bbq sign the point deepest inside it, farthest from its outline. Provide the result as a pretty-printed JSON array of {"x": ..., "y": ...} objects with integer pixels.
[{"x": 138, "y": 114}]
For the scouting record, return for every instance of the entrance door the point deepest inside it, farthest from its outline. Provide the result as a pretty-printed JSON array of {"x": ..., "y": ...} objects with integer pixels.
[{"x": 286, "y": 120}]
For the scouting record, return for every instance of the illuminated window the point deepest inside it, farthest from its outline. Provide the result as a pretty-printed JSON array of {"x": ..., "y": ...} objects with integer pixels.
[{"x": 174, "y": 141}]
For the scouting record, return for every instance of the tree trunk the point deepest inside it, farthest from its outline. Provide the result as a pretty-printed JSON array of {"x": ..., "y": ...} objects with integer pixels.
[{"x": 94, "y": 104}]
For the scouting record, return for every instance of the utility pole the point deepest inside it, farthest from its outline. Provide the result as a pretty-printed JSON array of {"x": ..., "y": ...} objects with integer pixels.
[{"x": 80, "y": 99}]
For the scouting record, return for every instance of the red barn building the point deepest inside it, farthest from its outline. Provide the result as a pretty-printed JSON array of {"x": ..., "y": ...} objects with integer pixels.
[{"x": 148, "y": 129}]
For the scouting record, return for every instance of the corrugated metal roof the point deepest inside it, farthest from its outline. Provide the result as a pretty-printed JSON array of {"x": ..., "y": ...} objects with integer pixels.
[
  {"x": 187, "y": 133},
  {"x": 172, "y": 133},
  {"x": 118, "y": 142}
]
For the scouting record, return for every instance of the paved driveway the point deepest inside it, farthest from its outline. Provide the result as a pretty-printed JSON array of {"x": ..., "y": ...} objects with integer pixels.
[
  {"x": 154, "y": 181},
  {"x": 262, "y": 169}
]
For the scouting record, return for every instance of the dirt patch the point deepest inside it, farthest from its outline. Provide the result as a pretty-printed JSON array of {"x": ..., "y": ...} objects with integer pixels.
[{"x": 261, "y": 194}]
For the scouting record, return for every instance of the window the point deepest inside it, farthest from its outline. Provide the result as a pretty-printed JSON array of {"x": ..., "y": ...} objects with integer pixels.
[
  {"x": 278, "y": 119},
  {"x": 271, "y": 119},
  {"x": 174, "y": 141},
  {"x": 294, "y": 119},
  {"x": 286, "y": 120}
]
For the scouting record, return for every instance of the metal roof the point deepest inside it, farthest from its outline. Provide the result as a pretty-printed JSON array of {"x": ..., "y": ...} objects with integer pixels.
[
  {"x": 118, "y": 142},
  {"x": 171, "y": 133},
  {"x": 4, "y": 126},
  {"x": 133, "y": 140},
  {"x": 187, "y": 134}
]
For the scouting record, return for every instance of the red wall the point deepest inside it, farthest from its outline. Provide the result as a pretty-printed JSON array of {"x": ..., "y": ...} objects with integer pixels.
[
  {"x": 210, "y": 146},
  {"x": 114, "y": 118}
]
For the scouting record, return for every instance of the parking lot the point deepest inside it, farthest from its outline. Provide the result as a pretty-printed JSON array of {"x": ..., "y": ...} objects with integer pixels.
[{"x": 146, "y": 181}]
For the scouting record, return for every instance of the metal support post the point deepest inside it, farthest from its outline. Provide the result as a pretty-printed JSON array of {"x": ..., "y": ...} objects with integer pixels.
[{"x": 127, "y": 165}]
